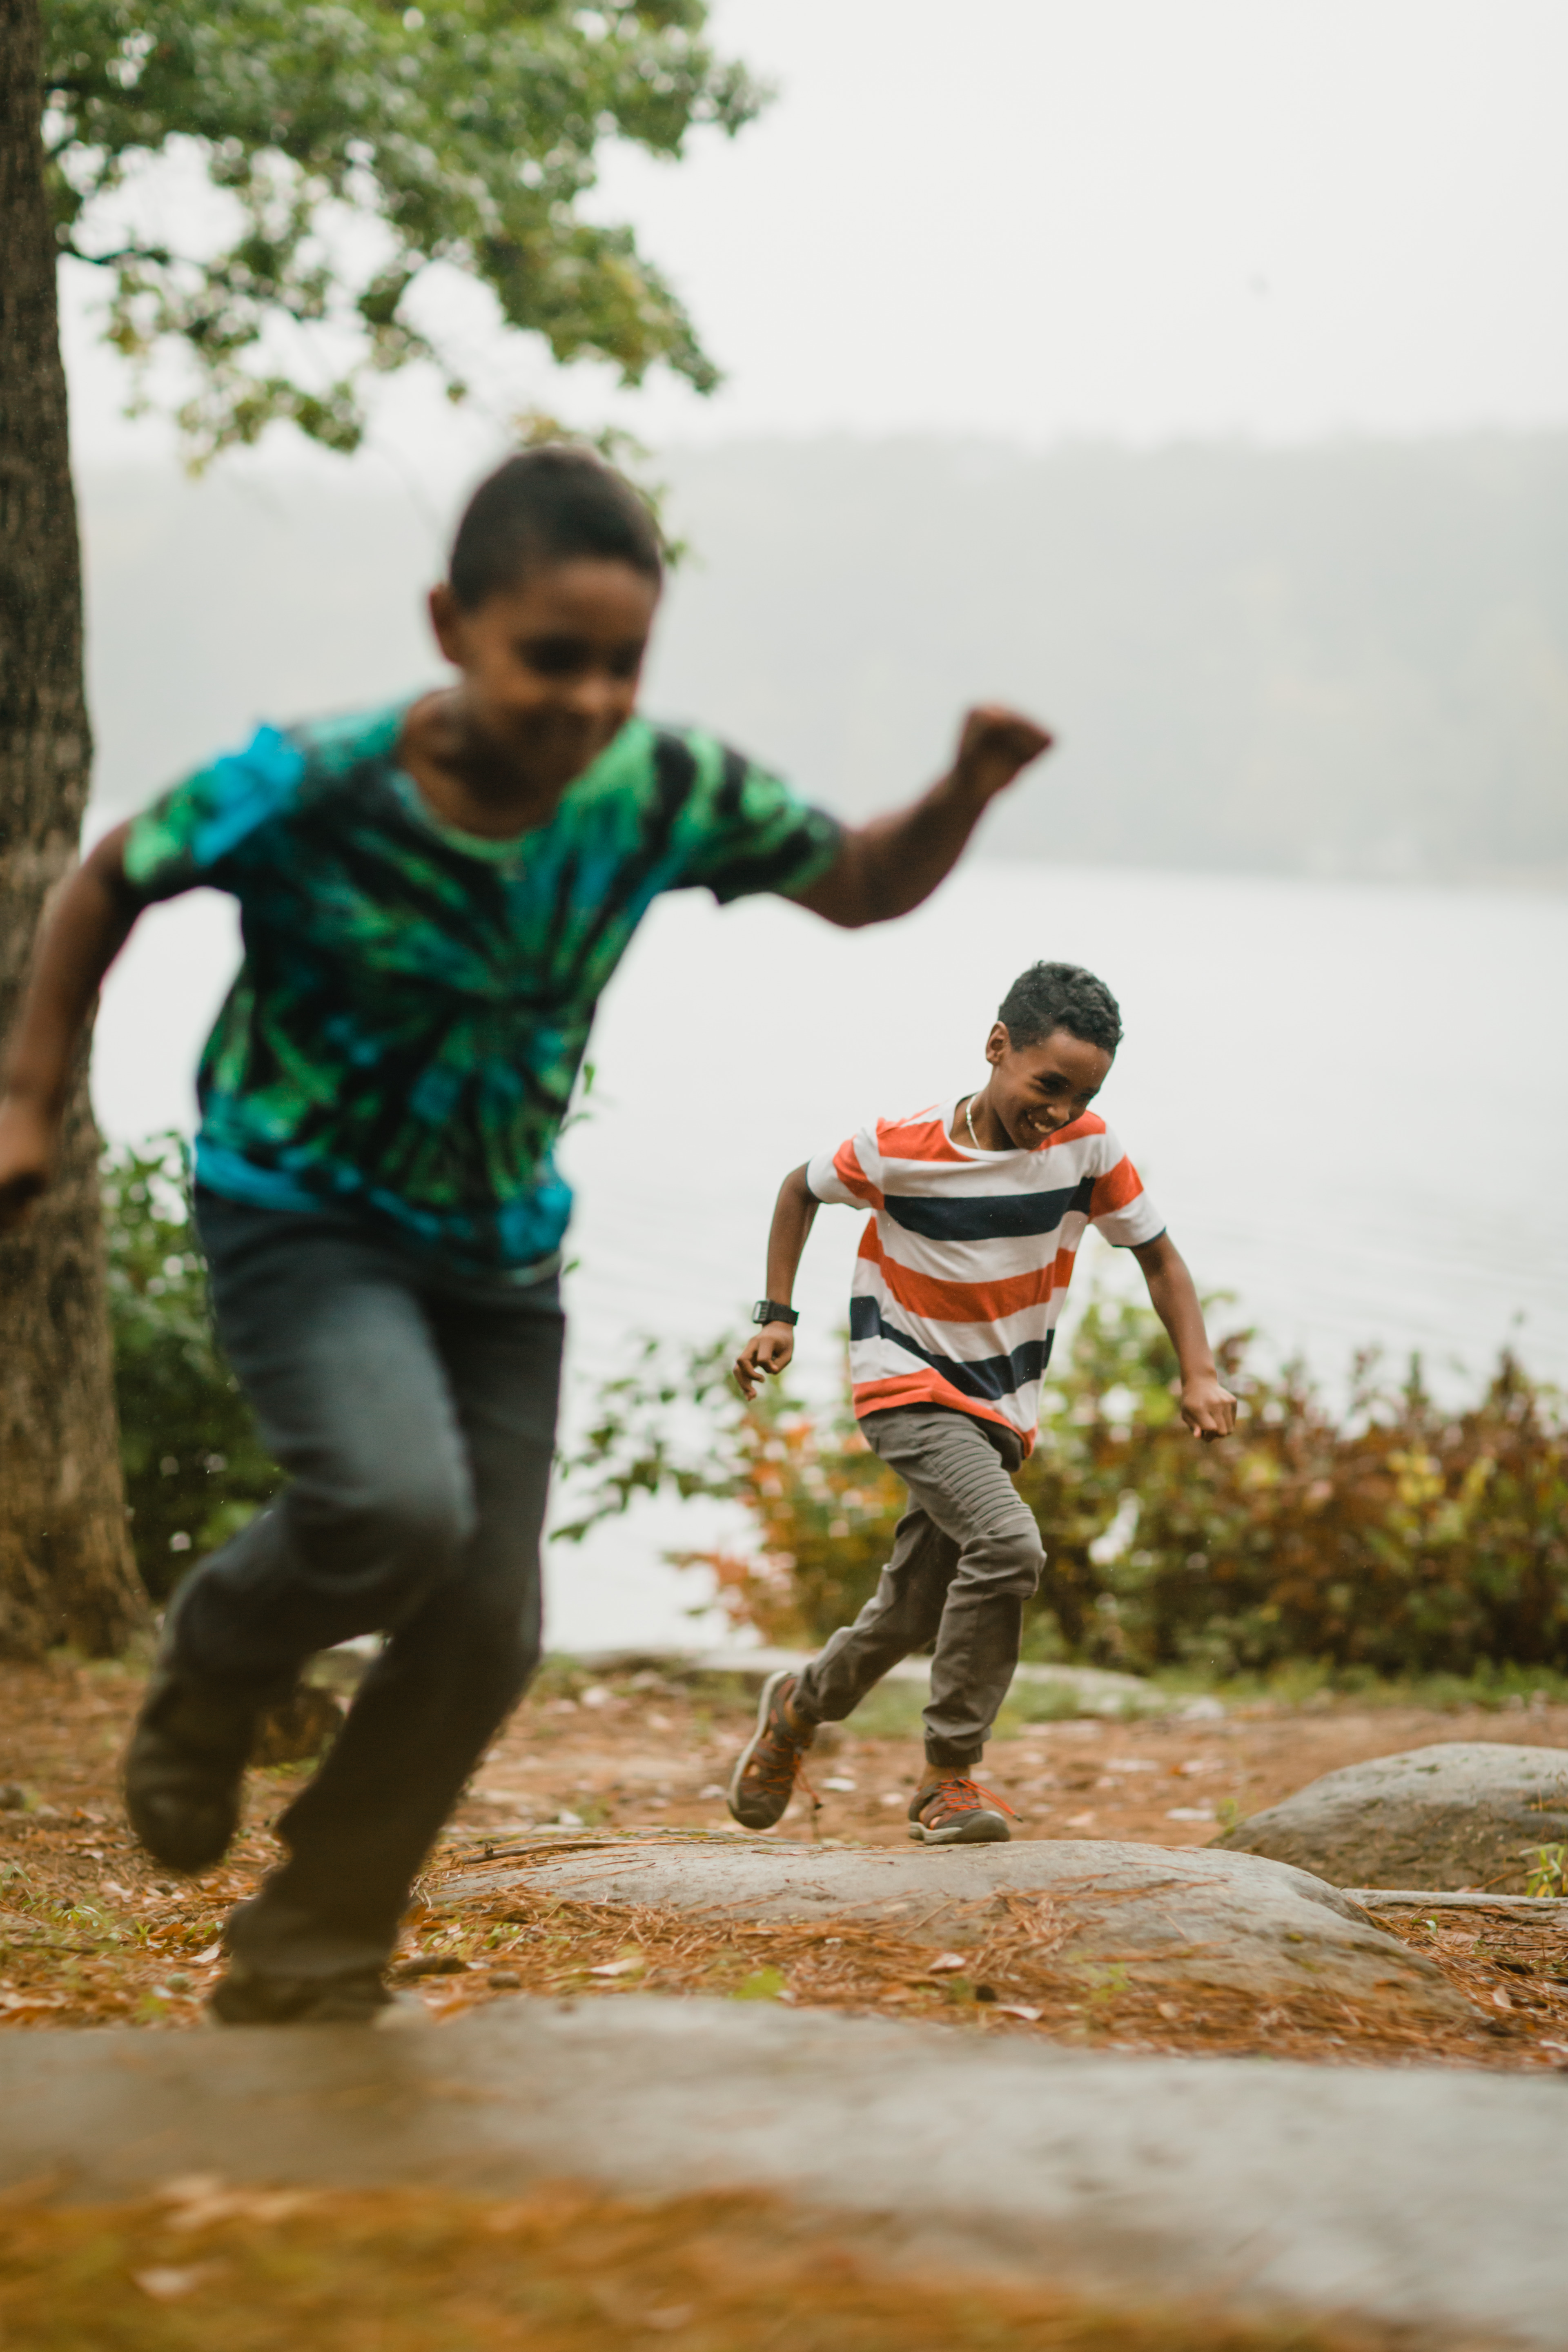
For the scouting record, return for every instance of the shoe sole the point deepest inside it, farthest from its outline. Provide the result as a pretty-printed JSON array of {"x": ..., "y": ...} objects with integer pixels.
[
  {"x": 732, "y": 1794},
  {"x": 978, "y": 1829}
]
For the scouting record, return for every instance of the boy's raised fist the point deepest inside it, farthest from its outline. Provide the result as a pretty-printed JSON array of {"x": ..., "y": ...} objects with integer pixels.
[{"x": 995, "y": 743}]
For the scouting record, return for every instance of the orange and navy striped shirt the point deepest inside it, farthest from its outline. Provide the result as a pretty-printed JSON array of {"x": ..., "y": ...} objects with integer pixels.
[{"x": 966, "y": 1261}]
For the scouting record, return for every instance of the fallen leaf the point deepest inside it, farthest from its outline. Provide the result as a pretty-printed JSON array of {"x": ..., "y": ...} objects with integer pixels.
[
  {"x": 618, "y": 1967},
  {"x": 1019, "y": 2009},
  {"x": 946, "y": 1964},
  {"x": 205, "y": 1960},
  {"x": 166, "y": 2284},
  {"x": 1500, "y": 1999}
]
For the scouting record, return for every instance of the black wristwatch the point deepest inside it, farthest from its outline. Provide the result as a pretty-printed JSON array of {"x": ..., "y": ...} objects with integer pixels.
[{"x": 768, "y": 1310}]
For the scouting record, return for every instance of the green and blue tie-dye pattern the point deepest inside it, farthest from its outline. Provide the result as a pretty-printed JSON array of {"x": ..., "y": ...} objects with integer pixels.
[{"x": 414, "y": 1004}]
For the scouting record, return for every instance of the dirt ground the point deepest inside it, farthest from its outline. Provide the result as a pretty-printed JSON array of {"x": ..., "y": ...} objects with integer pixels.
[{"x": 91, "y": 1931}]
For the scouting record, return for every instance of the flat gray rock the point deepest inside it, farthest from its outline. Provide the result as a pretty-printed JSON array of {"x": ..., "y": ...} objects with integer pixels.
[
  {"x": 1187, "y": 1918},
  {"x": 1426, "y": 2197},
  {"x": 1463, "y": 1813}
]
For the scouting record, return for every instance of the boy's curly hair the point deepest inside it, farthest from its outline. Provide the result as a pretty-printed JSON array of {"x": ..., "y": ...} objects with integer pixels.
[{"x": 1061, "y": 996}]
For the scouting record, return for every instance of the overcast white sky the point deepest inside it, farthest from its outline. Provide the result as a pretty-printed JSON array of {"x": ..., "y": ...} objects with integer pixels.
[{"x": 1134, "y": 219}]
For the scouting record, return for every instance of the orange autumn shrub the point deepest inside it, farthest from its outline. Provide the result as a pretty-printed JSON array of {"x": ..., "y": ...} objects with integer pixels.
[{"x": 1402, "y": 1536}]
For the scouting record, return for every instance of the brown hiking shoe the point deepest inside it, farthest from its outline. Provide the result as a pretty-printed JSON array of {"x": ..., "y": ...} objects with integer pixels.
[
  {"x": 768, "y": 1767},
  {"x": 953, "y": 1810}
]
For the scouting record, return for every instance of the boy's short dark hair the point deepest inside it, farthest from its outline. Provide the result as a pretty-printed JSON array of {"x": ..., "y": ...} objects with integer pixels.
[
  {"x": 1061, "y": 996},
  {"x": 547, "y": 506}
]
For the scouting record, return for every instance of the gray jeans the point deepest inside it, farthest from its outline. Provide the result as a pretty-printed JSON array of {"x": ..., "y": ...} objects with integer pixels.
[
  {"x": 414, "y": 1409},
  {"x": 966, "y": 1557}
]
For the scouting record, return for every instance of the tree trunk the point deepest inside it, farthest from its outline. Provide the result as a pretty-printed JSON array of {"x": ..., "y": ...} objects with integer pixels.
[{"x": 65, "y": 1569}]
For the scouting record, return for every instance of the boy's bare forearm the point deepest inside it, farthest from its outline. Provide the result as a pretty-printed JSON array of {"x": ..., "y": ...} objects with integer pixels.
[
  {"x": 770, "y": 1349},
  {"x": 1173, "y": 1297},
  {"x": 887, "y": 867},
  {"x": 794, "y": 1213},
  {"x": 84, "y": 934},
  {"x": 1208, "y": 1407}
]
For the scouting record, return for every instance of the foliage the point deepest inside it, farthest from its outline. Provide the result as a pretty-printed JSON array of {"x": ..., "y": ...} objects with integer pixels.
[
  {"x": 355, "y": 148},
  {"x": 821, "y": 1502},
  {"x": 1404, "y": 1538},
  {"x": 194, "y": 1468}
]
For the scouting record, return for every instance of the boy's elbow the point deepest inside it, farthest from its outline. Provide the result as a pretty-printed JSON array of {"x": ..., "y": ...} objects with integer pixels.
[
  {"x": 855, "y": 890},
  {"x": 105, "y": 866}
]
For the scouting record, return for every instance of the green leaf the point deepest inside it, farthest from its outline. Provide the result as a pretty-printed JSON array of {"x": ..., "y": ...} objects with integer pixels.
[{"x": 356, "y": 147}]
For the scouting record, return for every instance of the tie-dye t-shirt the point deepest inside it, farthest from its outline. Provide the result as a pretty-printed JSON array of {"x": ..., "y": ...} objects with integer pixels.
[{"x": 413, "y": 1003}]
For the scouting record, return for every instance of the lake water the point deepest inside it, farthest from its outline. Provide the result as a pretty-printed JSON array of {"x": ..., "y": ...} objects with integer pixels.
[{"x": 1351, "y": 1102}]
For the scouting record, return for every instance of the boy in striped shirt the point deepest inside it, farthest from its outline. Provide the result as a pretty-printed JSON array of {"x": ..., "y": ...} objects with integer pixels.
[{"x": 977, "y": 1210}]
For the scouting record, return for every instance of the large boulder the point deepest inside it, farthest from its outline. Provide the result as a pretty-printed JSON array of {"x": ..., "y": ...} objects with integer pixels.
[
  {"x": 1425, "y": 2199},
  {"x": 1160, "y": 1920},
  {"x": 1463, "y": 1813}
]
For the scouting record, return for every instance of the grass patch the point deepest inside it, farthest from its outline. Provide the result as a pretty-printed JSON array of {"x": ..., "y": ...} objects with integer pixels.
[
  {"x": 891, "y": 1711},
  {"x": 1311, "y": 1682}
]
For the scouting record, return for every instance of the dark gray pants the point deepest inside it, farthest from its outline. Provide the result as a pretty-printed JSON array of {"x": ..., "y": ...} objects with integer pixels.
[
  {"x": 966, "y": 1557},
  {"x": 415, "y": 1411}
]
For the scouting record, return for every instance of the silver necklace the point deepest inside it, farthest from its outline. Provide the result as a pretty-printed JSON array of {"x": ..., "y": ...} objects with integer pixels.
[{"x": 969, "y": 1122}]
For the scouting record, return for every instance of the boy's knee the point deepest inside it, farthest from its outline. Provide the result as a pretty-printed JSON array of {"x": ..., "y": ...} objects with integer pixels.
[
  {"x": 403, "y": 1532},
  {"x": 1021, "y": 1556}
]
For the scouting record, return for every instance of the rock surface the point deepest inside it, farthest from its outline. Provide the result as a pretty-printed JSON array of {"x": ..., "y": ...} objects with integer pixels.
[
  {"x": 1467, "y": 1814},
  {"x": 1426, "y": 2197},
  {"x": 1188, "y": 1918}
]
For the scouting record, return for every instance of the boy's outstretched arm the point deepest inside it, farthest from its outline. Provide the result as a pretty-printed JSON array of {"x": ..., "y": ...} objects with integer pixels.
[
  {"x": 85, "y": 932},
  {"x": 886, "y": 868},
  {"x": 1208, "y": 1409},
  {"x": 794, "y": 1212}
]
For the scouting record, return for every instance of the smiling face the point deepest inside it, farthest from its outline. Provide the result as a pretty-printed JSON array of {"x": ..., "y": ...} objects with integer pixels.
[
  {"x": 551, "y": 666},
  {"x": 1035, "y": 1090}
]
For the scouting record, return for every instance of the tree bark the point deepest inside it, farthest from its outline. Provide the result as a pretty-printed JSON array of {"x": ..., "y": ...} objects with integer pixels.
[{"x": 65, "y": 1568}]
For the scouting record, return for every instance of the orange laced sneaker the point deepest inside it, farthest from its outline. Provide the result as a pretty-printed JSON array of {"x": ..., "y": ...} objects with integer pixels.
[
  {"x": 769, "y": 1766},
  {"x": 953, "y": 1810}
]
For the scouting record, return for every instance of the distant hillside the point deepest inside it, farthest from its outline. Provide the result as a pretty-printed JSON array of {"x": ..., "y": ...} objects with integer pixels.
[{"x": 1350, "y": 659}]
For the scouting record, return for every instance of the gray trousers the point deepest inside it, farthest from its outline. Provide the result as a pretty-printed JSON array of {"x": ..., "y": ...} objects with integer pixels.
[
  {"x": 966, "y": 1557},
  {"x": 414, "y": 1409}
]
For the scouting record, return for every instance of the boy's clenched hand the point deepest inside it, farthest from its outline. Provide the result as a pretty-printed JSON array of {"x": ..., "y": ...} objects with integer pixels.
[
  {"x": 995, "y": 744},
  {"x": 27, "y": 1141},
  {"x": 1208, "y": 1409},
  {"x": 769, "y": 1351}
]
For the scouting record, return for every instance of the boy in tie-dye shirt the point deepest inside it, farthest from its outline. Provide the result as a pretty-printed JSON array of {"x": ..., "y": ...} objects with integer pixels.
[{"x": 432, "y": 898}]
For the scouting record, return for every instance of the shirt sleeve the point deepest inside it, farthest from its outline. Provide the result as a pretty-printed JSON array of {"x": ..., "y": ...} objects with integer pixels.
[
  {"x": 751, "y": 832},
  {"x": 848, "y": 1175},
  {"x": 188, "y": 837},
  {"x": 1119, "y": 1206}
]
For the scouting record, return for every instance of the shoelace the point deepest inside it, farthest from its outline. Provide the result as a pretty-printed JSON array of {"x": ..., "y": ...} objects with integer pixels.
[
  {"x": 959, "y": 1794},
  {"x": 779, "y": 1763}
]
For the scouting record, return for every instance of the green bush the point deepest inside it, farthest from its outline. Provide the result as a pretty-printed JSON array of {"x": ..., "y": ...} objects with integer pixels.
[
  {"x": 194, "y": 1468},
  {"x": 1403, "y": 1539}
]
